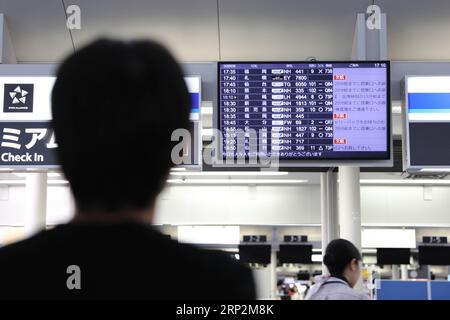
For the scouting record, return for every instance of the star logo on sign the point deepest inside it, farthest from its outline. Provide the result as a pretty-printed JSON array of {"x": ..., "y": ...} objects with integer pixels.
[{"x": 16, "y": 93}]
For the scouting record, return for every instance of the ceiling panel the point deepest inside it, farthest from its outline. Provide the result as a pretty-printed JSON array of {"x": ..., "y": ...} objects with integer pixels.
[
  {"x": 270, "y": 30},
  {"x": 417, "y": 30},
  {"x": 188, "y": 27},
  {"x": 37, "y": 29},
  {"x": 250, "y": 29}
]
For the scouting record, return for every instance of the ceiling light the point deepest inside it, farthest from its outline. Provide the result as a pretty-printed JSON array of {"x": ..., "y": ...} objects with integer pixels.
[
  {"x": 234, "y": 181},
  {"x": 207, "y": 110},
  {"x": 405, "y": 181},
  {"x": 20, "y": 174},
  {"x": 435, "y": 170},
  {"x": 23, "y": 182},
  {"x": 54, "y": 174},
  {"x": 231, "y": 173},
  {"x": 25, "y": 174},
  {"x": 207, "y": 132},
  {"x": 396, "y": 106},
  {"x": 11, "y": 182}
]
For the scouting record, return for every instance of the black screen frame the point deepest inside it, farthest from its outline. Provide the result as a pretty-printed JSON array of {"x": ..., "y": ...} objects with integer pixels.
[
  {"x": 287, "y": 161},
  {"x": 266, "y": 247},
  {"x": 445, "y": 247},
  {"x": 308, "y": 247},
  {"x": 393, "y": 250}
]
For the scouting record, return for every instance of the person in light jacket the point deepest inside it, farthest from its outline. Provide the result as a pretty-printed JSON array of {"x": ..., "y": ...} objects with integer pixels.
[{"x": 343, "y": 260}]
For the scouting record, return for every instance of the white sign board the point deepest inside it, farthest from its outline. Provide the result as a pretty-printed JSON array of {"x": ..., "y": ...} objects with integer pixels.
[
  {"x": 209, "y": 234},
  {"x": 25, "y": 98},
  {"x": 388, "y": 238}
]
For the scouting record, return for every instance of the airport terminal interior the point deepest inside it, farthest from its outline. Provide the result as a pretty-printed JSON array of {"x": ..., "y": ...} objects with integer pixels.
[{"x": 349, "y": 102}]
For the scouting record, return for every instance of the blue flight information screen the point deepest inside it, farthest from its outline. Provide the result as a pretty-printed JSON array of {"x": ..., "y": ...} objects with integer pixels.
[{"x": 308, "y": 110}]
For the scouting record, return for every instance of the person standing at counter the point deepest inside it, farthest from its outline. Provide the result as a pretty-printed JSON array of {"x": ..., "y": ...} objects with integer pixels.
[
  {"x": 343, "y": 261},
  {"x": 115, "y": 106}
]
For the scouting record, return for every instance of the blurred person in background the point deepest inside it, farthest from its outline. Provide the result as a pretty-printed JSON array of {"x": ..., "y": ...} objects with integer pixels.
[{"x": 343, "y": 261}]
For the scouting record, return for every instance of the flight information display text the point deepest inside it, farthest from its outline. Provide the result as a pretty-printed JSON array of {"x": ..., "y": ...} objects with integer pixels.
[{"x": 308, "y": 110}]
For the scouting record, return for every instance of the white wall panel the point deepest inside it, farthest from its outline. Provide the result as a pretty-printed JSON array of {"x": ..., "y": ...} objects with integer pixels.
[
  {"x": 388, "y": 238},
  {"x": 270, "y": 205},
  {"x": 283, "y": 30},
  {"x": 60, "y": 206},
  {"x": 250, "y": 29},
  {"x": 405, "y": 205},
  {"x": 232, "y": 205}
]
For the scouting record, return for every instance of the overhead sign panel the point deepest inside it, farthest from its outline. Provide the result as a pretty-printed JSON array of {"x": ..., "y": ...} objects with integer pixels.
[
  {"x": 305, "y": 113},
  {"x": 426, "y": 124},
  {"x": 27, "y": 144},
  {"x": 26, "y": 137},
  {"x": 25, "y": 98}
]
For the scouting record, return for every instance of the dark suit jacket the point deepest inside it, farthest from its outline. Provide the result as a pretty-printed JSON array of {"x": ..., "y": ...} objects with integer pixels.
[{"x": 123, "y": 261}]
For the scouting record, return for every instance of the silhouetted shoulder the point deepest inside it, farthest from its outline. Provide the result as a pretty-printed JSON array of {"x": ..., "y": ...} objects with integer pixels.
[
  {"x": 224, "y": 277},
  {"x": 142, "y": 262},
  {"x": 216, "y": 267}
]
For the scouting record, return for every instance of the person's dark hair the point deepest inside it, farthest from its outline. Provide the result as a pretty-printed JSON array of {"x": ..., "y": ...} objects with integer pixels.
[
  {"x": 338, "y": 254},
  {"x": 115, "y": 105}
]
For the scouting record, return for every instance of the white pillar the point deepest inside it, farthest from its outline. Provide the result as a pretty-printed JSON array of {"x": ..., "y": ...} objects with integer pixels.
[
  {"x": 350, "y": 205},
  {"x": 7, "y": 53},
  {"x": 273, "y": 274},
  {"x": 273, "y": 264},
  {"x": 395, "y": 272},
  {"x": 36, "y": 198},
  {"x": 350, "y": 208},
  {"x": 328, "y": 212},
  {"x": 367, "y": 44},
  {"x": 359, "y": 38},
  {"x": 404, "y": 272}
]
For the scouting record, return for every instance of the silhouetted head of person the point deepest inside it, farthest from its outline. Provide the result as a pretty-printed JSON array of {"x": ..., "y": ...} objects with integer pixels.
[
  {"x": 342, "y": 259},
  {"x": 115, "y": 105}
]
